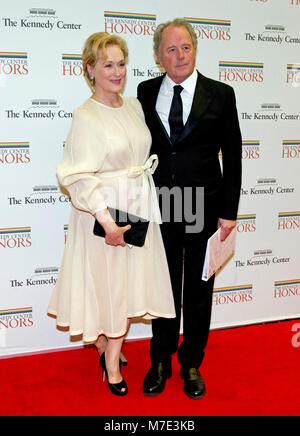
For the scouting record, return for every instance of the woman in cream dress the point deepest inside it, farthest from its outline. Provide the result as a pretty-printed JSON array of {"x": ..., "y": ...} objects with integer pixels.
[{"x": 104, "y": 282}]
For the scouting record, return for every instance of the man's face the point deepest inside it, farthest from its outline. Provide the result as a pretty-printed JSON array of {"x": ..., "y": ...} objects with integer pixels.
[{"x": 177, "y": 54}]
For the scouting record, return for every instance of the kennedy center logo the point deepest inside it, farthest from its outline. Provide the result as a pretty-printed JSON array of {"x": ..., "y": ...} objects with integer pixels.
[
  {"x": 13, "y": 63},
  {"x": 16, "y": 318},
  {"x": 66, "y": 228},
  {"x": 248, "y": 72},
  {"x": 288, "y": 220},
  {"x": 250, "y": 150},
  {"x": 290, "y": 149},
  {"x": 233, "y": 295},
  {"x": 216, "y": 30},
  {"x": 14, "y": 153},
  {"x": 15, "y": 237},
  {"x": 273, "y": 34},
  {"x": 42, "y": 195},
  {"x": 270, "y": 112},
  {"x": 293, "y": 74},
  {"x": 40, "y": 108},
  {"x": 287, "y": 288},
  {"x": 246, "y": 223},
  {"x": 40, "y": 19},
  {"x": 41, "y": 276},
  {"x": 129, "y": 23},
  {"x": 261, "y": 257},
  {"x": 268, "y": 186},
  {"x": 72, "y": 65}
]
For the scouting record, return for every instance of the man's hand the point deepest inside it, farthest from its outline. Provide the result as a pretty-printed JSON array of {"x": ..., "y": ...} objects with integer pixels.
[{"x": 226, "y": 227}]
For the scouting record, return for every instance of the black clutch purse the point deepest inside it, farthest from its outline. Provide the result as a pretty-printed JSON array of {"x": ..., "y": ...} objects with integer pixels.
[{"x": 134, "y": 236}]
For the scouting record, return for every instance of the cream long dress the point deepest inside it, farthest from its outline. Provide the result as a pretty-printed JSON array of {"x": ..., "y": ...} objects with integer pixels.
[{"x": 106, "y": 163}]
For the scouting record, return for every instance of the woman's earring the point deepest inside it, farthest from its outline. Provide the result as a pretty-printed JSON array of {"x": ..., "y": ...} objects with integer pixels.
[{"x": 92, "y": 77}]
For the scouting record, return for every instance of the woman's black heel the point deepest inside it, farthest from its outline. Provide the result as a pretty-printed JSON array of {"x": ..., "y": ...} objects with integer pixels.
[
  {"x": 122, "y": 362},
  {"x": 119, "y": 389}
]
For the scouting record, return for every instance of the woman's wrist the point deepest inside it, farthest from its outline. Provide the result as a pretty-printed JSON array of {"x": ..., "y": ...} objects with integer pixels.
[{"x": 106, "y": 221}]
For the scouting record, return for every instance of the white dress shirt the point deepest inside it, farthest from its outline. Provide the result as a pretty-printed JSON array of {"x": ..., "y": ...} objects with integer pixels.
[{"x": 165, "y": 96}]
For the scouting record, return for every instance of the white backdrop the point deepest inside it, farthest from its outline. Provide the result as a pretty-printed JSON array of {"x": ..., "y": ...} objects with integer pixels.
[{"x": 253, "y": 45}]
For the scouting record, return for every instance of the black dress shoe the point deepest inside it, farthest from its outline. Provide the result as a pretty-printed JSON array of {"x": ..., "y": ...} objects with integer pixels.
[
  {"x": 194, "y": 386},
  {"x": 155, "y": 380}
]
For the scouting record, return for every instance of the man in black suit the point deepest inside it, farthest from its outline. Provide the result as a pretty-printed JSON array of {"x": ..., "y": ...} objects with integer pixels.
[{"x": 189, "y": 126}]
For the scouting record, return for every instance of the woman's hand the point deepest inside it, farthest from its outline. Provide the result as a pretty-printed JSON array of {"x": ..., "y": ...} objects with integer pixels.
[{"x": 114, "y": 235}]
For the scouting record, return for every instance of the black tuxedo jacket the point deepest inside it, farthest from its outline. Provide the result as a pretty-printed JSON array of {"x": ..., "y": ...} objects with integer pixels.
[{"x": 194, "y": 159}]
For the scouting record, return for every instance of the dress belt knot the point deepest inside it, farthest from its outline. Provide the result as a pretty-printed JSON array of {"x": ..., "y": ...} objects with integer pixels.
[
  {"x": 149, "y": 167},
  {"x": 146, "y": 172}
]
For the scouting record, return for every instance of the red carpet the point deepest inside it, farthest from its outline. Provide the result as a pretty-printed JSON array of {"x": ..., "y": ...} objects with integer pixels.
[{"x": 250, "y": 371}]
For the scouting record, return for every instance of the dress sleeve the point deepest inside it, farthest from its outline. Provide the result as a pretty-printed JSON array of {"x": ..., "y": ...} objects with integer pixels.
[{"x": 84, "y": 154}]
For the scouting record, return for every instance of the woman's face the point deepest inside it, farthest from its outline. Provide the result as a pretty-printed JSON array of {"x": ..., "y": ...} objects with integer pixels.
[{"x": 109, "y": 73}]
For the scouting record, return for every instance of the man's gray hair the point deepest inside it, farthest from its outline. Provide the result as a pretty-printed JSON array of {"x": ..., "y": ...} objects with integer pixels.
[{"x": 177, "y": 22}]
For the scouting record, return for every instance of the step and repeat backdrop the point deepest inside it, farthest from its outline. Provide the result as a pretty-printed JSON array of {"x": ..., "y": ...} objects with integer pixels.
[{"x": 252, "y": 45}]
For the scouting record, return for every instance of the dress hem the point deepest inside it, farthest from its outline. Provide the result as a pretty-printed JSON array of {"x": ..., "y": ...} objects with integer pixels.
[{"x": 110, "y": 335}]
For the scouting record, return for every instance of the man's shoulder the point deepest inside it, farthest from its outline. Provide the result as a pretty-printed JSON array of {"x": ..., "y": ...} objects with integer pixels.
[
  {"x": 215, "y": 84},
  {"x": 150, "y": 83}
]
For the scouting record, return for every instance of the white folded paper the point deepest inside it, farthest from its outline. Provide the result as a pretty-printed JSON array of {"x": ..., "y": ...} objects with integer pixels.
[{"x": 217, "y": 253}]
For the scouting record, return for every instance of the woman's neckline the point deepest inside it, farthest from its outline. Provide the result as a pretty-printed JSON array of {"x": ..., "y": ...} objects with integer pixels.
[{"x": 106, "y": 106}]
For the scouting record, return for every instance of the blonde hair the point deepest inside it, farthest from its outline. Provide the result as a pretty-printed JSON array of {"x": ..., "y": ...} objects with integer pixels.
[
  {"x": 94, "y": 43},
  {"x": 177, "y": 22}
]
